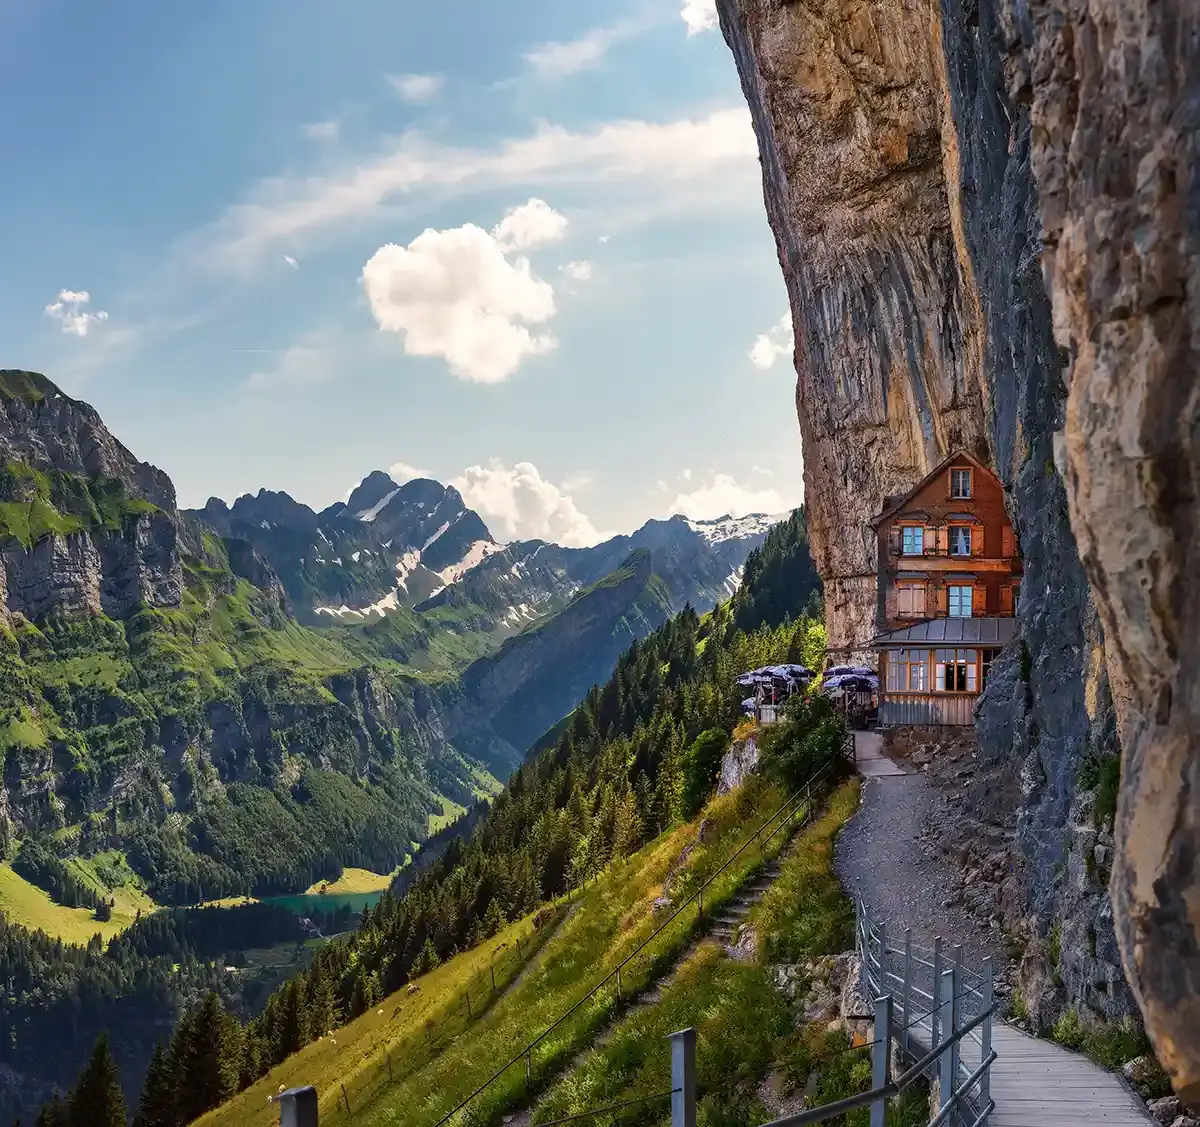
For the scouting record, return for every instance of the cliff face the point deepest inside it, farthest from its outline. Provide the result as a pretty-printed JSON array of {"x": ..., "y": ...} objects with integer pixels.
[
  {"x": 1115, "y": 93},
  {"x": 896, "y": 149}
]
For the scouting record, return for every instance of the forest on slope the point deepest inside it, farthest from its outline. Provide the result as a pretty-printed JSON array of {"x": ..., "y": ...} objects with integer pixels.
[{"x": 629, "y": 763}]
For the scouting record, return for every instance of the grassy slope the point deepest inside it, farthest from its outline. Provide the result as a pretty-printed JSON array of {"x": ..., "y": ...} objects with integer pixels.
[
  {"x": 745, "y": 1027},
  {"x": 353, "y": 880},
  {"x": 356, "y": 1055},
  {"x": 611, "y": 918},
  {"x": 22, "y": 903},
  {"x": 614, "y": 917}
]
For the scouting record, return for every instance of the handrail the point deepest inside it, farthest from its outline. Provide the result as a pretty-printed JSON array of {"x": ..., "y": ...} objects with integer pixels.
[
  {"x": 895, "y": 1087},
  {"x": 787, "y": 808}
]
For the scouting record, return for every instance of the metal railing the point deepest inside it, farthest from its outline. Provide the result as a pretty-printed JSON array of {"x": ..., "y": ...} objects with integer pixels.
[{"x": 949, "y": 1043}]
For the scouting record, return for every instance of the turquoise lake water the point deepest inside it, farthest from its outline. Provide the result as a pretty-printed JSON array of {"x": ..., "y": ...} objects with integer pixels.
[{"x": 304, "y": 905}]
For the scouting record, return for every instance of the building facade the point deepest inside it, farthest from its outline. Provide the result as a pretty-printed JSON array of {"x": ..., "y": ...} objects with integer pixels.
[{"x": 948, "y": 586}]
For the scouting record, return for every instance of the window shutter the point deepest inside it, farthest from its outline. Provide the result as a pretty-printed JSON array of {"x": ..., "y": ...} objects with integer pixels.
[
  {"x": 1009, "y": 542},
  {"x": 979, "y": 600},
  {"x": 1006, "y": 599},
  {"x": 943, "y": 540},
  {"x": 943, "y": 601},
  {"x": 977, "y": 540}
]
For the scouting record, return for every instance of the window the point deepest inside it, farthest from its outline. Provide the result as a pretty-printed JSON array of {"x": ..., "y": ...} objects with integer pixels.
[
  {"x": 910, "y": 600},
  {"x": 985, "y": 666},
  {"x": 960, "y": 483},
  {"x": 955, "y": 671},
  {"x": 962, "y": 600},
  {"x": 908, "y": 671},
  {"x": 912, "y": 540},
  {"x": 960, "y": 540}
]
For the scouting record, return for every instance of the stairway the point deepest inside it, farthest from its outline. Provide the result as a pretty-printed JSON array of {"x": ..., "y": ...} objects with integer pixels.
[{"x": 733, "y": 915}]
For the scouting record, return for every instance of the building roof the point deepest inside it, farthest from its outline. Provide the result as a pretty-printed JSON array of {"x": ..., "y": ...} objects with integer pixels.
[
  {"x": 952, "y": 631},
  {"x": 895, "y": 504}
]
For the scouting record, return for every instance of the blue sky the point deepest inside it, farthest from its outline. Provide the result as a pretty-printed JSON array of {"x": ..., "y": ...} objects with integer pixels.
[{"x": 520, "y": 247}]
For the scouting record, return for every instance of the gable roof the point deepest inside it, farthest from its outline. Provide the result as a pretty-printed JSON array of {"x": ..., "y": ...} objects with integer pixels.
[
  {"x": 994, "y": 631},
  {"x": 897, "y": 503}
]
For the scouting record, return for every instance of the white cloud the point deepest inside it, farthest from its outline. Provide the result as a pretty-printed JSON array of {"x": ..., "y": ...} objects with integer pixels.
[
  {"x": 68, "y": 311},
  {"x": 323, "y": 130},
  {"x": 699, "y": 15},
  {"x": 416, "y": 87},
  {"x": 724, "y": 496},
  {"x": 400, "y": 472},
  {"x": 530, "y": 225},
  {"x": 454, "y": 294},
  {"x": 685, "y": 164},
  {"x": 774, "y": 343},
  {"x": 558, "y": 60},
  {"x": 578, "y": 271},
  {"x": 299, "y": 366},
  {"x": 519, "y": 504},
  {"x": 291, "y": 262}
]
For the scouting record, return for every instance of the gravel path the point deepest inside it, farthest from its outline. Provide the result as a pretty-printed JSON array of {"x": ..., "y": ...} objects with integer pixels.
[{"x": 881, "y": 859}]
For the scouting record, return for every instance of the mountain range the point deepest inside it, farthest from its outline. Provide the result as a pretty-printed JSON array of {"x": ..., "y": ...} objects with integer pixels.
[
  {"x": 246, "y": 697},
  {"x": 418, "y": 545}
]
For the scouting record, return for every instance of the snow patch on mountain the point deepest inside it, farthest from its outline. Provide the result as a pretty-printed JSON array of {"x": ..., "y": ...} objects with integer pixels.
[
  {"x": 734, "y": 581},
  {"x": 476, "y": 554},
  {"x": 435, "y": 536},
  {"x": 368, "y": 515},
  {"x": 736, "y": 528}
]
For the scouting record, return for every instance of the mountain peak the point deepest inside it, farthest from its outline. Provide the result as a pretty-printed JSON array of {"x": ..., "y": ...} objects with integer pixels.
[{"x": 373, "y": 488}]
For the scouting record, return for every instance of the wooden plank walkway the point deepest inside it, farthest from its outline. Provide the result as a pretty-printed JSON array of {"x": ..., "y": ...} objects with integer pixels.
[{"x": 1037, "y": 1083}]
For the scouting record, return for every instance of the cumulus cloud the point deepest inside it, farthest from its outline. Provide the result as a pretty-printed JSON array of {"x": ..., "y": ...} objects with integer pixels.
[
  {"x": 517, "y": 503},
  {"x": 455, "y": 294},
  {"x": 69, "y": 312},
  {"x": 400, "y": 472},
  {"x": 416, "y": 87},
  {"x": 724, "y": 496},
  {"x": 699, "y": 15},
  {"x": 530, "y": 225},
  {"x": 578, "y": 271},
  {"x": 558, "y": 60},
  {"x": 771, "y": 345}
]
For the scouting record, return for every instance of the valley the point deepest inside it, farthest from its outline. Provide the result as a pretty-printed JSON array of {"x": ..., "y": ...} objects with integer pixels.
[{"x": 181, "y": 723}]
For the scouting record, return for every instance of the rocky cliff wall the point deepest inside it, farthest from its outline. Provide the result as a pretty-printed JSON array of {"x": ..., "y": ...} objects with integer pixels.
[{"x": 896, "y": 147}]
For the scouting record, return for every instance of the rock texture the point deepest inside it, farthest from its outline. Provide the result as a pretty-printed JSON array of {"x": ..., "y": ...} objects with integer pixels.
[
  {"x": 915, "y": 156},
  {"x": 1116, "y": 108}
]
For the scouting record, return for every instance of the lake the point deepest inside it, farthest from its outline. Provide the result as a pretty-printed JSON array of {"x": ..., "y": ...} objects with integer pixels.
[{"x": 307, "y": 905}]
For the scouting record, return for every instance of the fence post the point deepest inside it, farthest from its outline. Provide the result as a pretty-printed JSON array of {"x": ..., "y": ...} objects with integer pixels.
[
  {"x": 618, "y": 986},
  {"x": 492, "y": 968},
  {"x": 985, "y": 1050},
  {"x": 683, "y": 1078},
  {"x": 469, "y": 1014},
  {"x": 298, "y": 1107},
  {"x": 945, "y": 1073},
  {"x": 935, "y": 990},
  {"x": 883, "y": 982},
  {"x": 906, "y": 999},
  {"x": 528, "y": 1071},
  {"x": 879, "y": 1057},
  {"x": 956, "y": 1011}
]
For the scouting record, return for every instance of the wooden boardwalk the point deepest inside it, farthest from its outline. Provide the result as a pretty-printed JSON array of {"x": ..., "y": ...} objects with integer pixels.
[{"x": 1037, "y": 1083}]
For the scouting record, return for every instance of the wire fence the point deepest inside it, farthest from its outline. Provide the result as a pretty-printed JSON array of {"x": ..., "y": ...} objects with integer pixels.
[{"x": 529, "y": 1064}]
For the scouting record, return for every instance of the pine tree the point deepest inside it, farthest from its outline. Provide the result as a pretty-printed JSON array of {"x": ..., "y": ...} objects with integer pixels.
[
  {"x": 157, "y": 1105},
  {"x": 53, "y": 1114},
  {"x": 208, "y": 1059},
  {"x": 97, "y": 1099}
]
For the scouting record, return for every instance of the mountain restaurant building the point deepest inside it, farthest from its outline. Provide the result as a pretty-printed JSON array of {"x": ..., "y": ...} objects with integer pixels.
[{"x": 949, "y": 584}]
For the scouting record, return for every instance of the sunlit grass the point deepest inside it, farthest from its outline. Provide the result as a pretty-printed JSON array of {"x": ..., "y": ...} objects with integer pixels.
[{"x": 25, "y": 904}]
